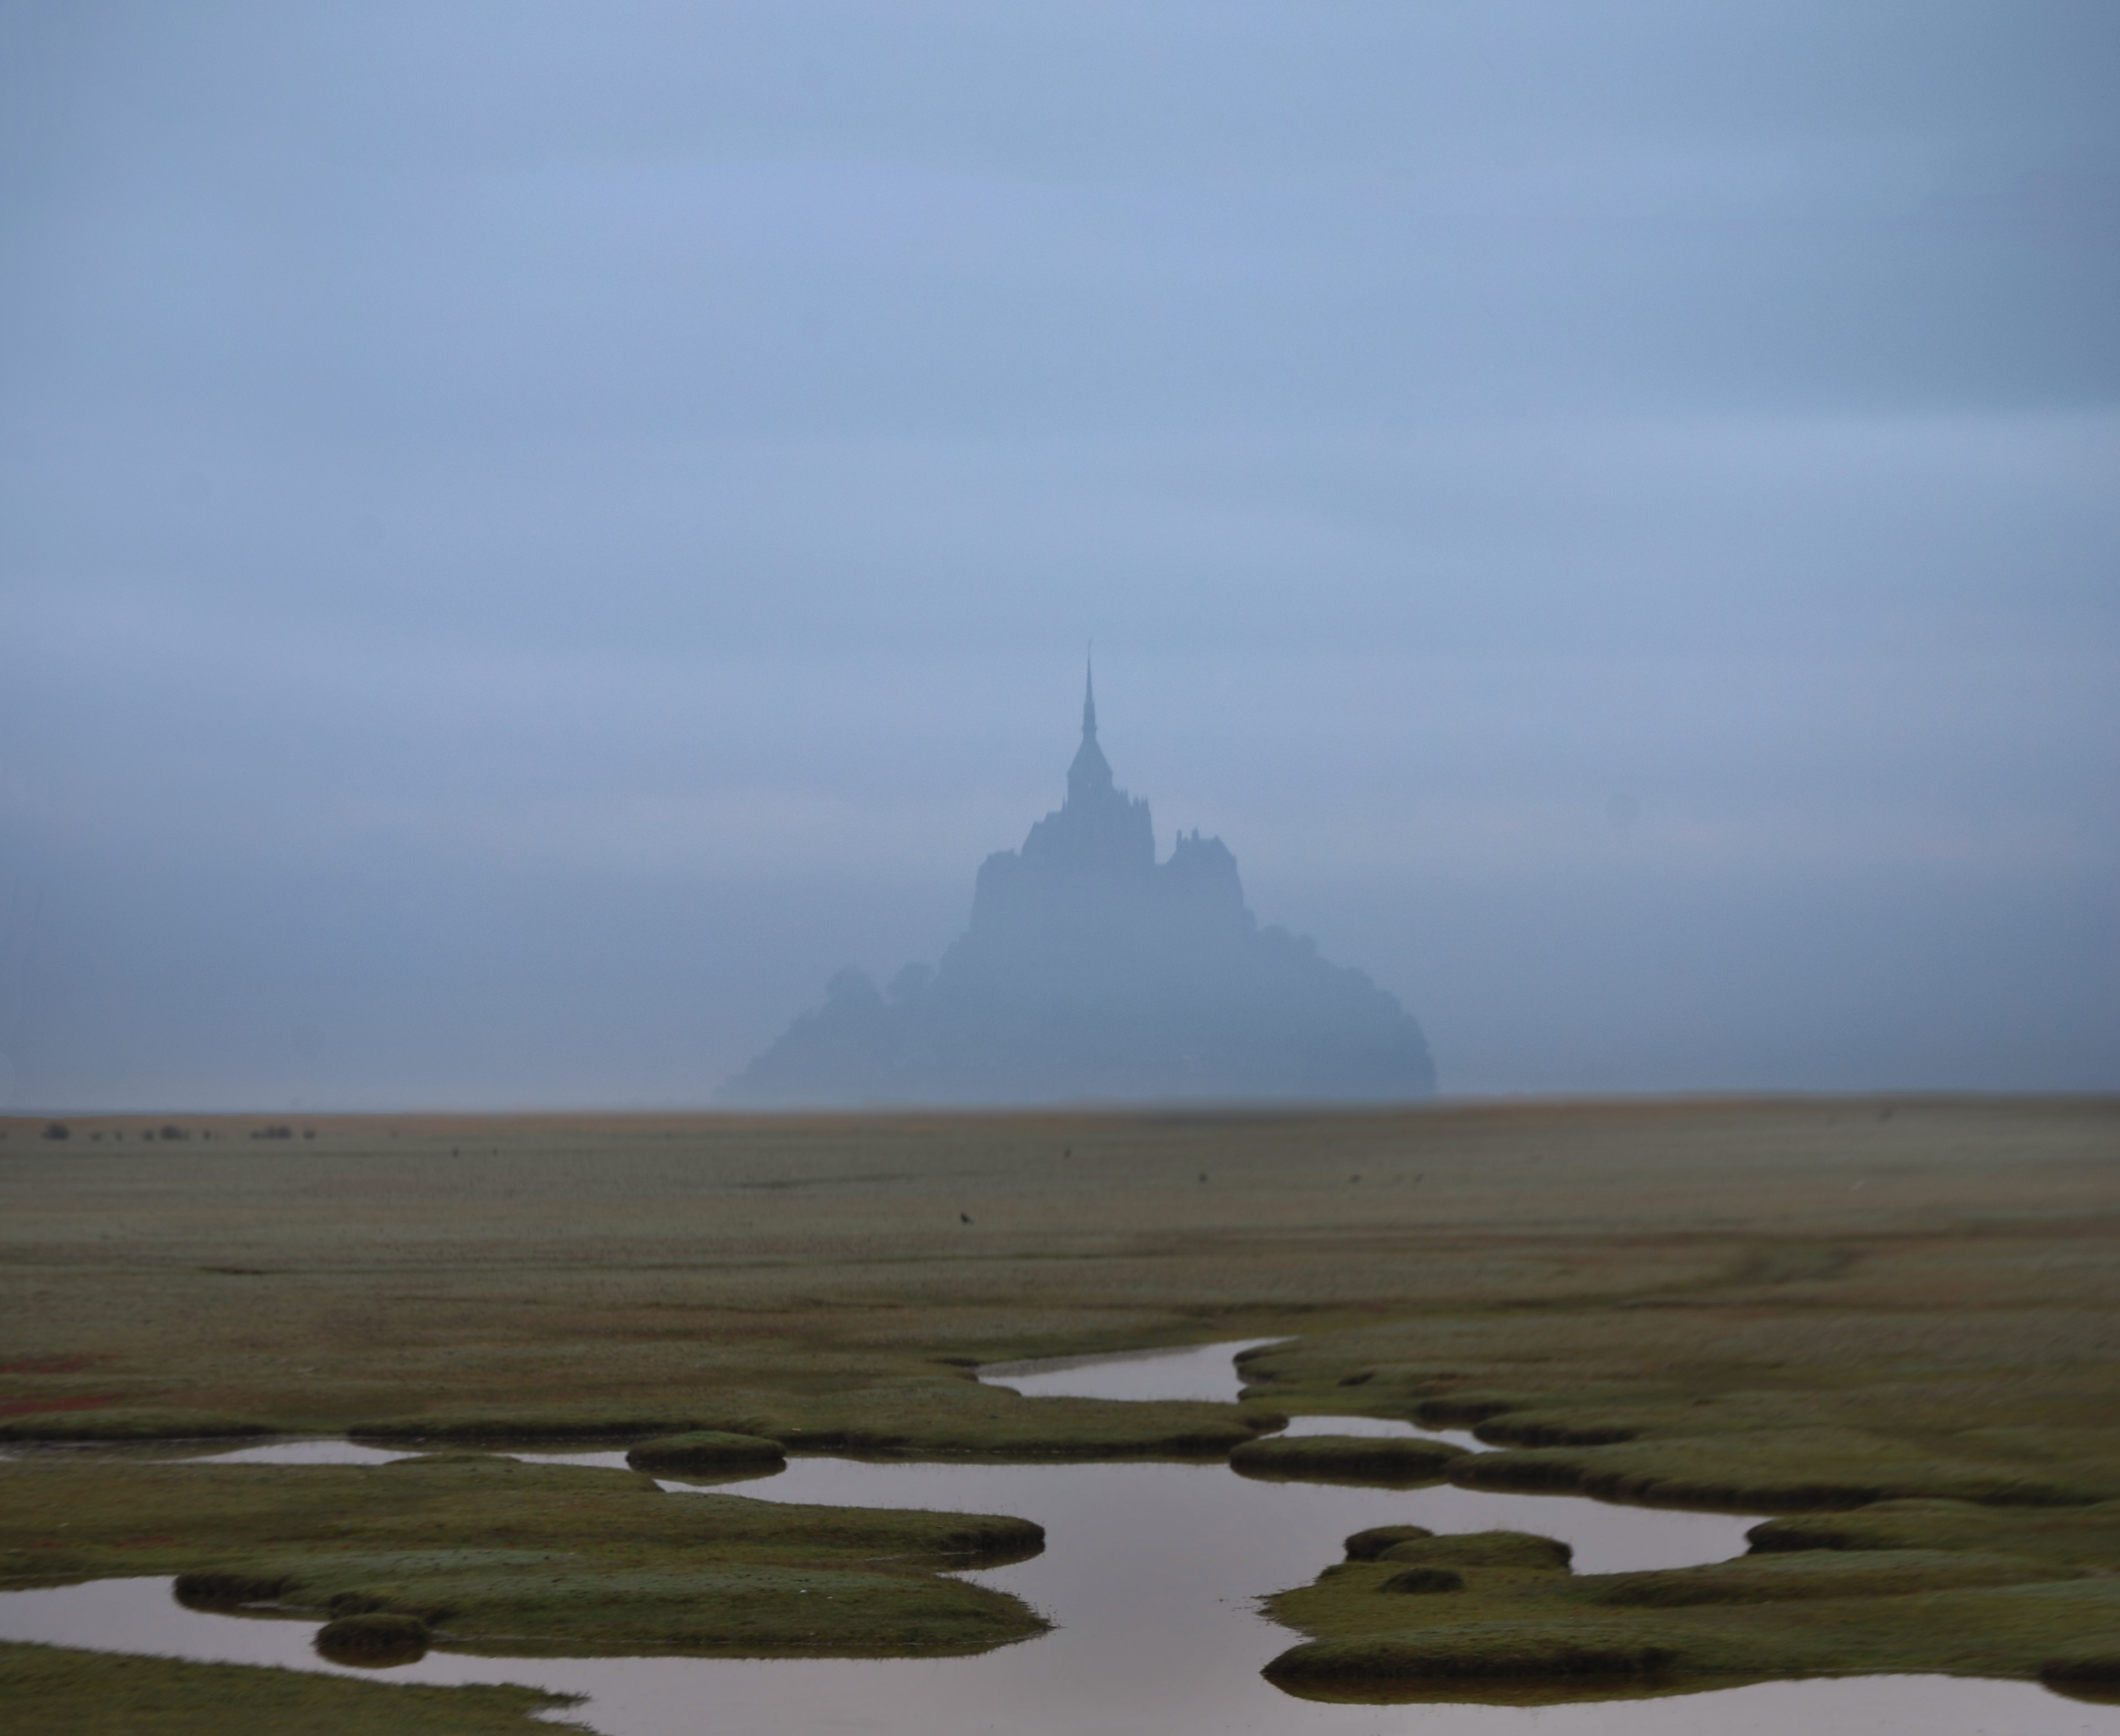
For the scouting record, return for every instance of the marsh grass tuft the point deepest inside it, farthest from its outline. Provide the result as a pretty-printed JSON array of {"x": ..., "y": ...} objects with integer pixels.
[
  {"x": 1778, "y": 1614},
  {"x": 584, "y": 1422},
  {"x": 1485, "y": 1650},
  {"x": 504, "y": 1555},
  {"x": 1424, "y": 1580},
  {"x": 220, "y": 1588},
  {"x": 1691, "y": 1307},
  {"x": 129, "y": 1424},
  {"x": 376, "y": 1639},
  {"x": 2086, "y": 1536},
  {"x": 2103, "y": 1667},
  {"x": 1384, "y": 1460},
  {"x": 1366, "y": 1546},
  {"x": 952, "y": 1418},
  {"x": 2094, "y": 1677},
  {"x": 706, "y": 1451},
  {"x": 1787, "y": 1469},
  {"x": 57, "y": 1690},
  {"x": 1519, "y": 1549}
]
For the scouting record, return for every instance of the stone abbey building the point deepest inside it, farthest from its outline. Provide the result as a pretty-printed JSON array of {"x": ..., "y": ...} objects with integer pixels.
[{"x": 1092, "y": 972}]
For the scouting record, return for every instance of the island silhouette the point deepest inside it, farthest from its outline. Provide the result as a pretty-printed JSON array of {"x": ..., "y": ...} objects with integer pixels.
[{"x": 1093, "y": 972}]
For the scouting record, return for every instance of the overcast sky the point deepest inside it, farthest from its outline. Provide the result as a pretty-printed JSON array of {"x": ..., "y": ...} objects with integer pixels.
[{"x": 533, "y": 533}]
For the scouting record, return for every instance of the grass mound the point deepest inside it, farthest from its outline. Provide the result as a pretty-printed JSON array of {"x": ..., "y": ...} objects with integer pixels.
[
  {"x": 2094, "y": 1677},
  {"x": 559, "y": 1424},
  {"x": 57, "y": 1690},
  {"x": 144, "y": 1422},
  {"x": 1824, "y": 1612},
  {"x": 1521, "y": 1550},
  {"x": 1813, "y": 1576},
  {"x": 1424, "y": 1580},
  {"x": 1557, "y": 1428},
  {"x": 706, "y": 1451},
  {"x": 1790, "y": 1470},
  {"x": 953, "y": 1418},
  {"x": 377, "y": 1639},
  {"x": 1489, "y": 1651},
  {"x": 1371, "y": 1459},
  {"x": 227, "y": 1589},
  {"x": 1469, "y": 1408},
  {"x": 2084, "y": 1536},
  {"x": 926, "y": 1418},
  {"x": 500, "y": 1557},
  {"x": 1366, "y": 1546}
]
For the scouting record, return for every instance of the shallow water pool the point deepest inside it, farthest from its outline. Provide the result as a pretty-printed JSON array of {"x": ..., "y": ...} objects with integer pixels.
[{"x": 1150, "y": 1572}]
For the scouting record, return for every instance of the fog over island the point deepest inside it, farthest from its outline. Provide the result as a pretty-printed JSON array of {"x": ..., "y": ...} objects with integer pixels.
[
  {"x": 1092, "y": 970},
  {"x": 506, "y": 513}
]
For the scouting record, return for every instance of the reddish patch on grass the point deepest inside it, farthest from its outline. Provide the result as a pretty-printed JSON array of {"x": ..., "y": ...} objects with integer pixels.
[
  {"x": 27, "y": 1407},
  {"x": 143, "y": 1542},
  {"x": 49, "y": 1365}
]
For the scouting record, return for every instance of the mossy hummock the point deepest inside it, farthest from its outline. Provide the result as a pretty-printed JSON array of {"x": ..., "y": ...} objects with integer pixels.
[
  {"x": 130, "y": 1422},
  {"x": 706, "y": 1452},
  {"x": 374, "y": 1639},
  {"x": 1516, "y": 1615},
  {"x": 931, "y": 1417},
  {"x": 1523, "y": 1550},
  {"x": 495, "y": 1556},
  {"x": 58, "y": 1691},
  {"x": 1419, "y": 1579},
  {"x": 1366, "y": 1546},
  {"x": 1384, "y": 1459}
]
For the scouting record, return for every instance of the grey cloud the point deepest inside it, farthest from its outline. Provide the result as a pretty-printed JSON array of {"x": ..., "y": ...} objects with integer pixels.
[{"x": 531, "y": 536}]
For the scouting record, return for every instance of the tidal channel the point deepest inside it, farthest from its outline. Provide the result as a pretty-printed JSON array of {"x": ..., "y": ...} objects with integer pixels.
[{"x": 1150, "y": 1575}]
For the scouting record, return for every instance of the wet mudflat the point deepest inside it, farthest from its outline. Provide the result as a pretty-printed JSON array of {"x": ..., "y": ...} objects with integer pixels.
[{"x": 1150, "y": 1574}]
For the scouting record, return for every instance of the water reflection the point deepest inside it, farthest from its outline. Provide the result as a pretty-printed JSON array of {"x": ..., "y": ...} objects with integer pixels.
[
  {"x": 307, "y": 1452},
  {"x": 1150, "y": 1571},
  {"x": 1206, "y": 1372}
]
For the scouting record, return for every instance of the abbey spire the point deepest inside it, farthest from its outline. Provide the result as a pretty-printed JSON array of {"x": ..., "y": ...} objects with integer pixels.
[{"x": 1091, "y": 775}]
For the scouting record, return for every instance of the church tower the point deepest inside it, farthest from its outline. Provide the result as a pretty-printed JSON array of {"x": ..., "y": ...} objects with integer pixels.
[
  {"x": 1091, "y": 775},
  {"x": 1099, "y": 829}
]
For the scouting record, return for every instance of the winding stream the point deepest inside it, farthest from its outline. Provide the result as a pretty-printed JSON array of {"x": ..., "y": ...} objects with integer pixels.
[{"x": 1150, "y": 1573}]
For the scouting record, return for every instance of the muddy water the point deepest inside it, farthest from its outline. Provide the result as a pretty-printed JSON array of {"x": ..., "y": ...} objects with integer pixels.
[{"x": 1149, "y": 1571}]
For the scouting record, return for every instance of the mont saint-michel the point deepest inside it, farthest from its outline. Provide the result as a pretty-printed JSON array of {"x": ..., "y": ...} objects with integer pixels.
[{"x": 1092, "y": 971}]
